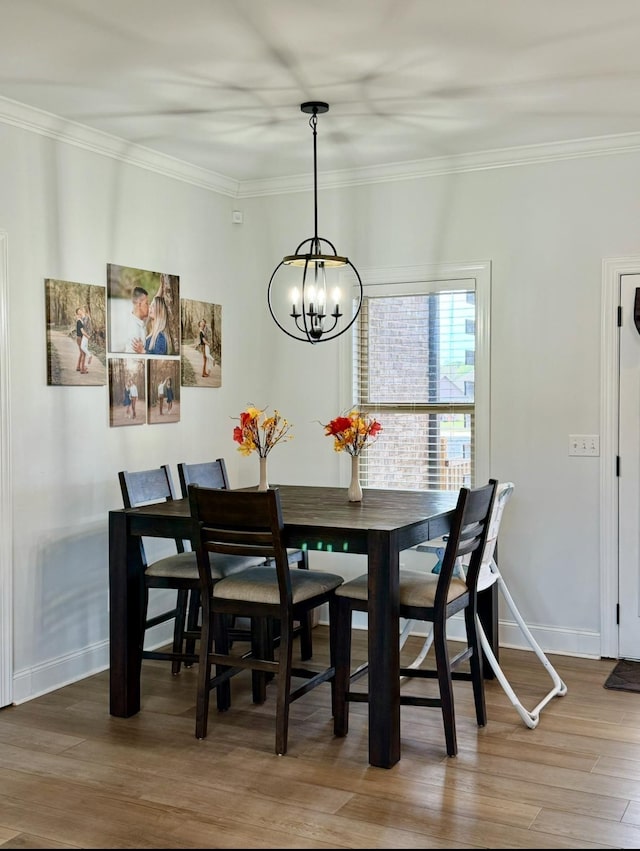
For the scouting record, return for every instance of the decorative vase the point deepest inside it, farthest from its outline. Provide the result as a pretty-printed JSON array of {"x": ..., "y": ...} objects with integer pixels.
[
  {"x": 355, "y": 489},
  {"x": 263, "y": 484}
]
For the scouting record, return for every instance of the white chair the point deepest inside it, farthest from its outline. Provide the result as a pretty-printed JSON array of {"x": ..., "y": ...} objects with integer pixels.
[{"x": 490, "y": 575}]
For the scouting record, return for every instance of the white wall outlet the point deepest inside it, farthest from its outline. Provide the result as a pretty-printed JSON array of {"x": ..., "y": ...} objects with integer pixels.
[
  {"x": 584, "y": 444},
  {"x": 237, "y": 217}
]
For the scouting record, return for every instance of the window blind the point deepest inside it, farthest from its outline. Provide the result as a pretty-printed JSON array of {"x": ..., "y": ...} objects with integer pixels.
[{"x": 414, "y": 369}]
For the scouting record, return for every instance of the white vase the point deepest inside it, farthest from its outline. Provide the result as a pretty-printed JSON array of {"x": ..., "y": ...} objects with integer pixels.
[
  {"x": 263, "y": 484},
  {"x": 355, "y": 489}
]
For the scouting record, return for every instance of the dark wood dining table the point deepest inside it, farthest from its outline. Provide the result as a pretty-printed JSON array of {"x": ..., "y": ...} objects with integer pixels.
[{"x": 384, "y": 524}]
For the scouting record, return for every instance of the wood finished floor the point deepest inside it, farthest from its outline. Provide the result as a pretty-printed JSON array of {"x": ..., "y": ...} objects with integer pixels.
[{"x": 72, "y": 776}]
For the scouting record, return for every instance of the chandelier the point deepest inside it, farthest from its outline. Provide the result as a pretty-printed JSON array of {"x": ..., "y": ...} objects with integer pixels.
[{"x": 305, "y": 291}]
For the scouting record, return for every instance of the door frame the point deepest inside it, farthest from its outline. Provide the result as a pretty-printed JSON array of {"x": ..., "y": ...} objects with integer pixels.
[
  {"x": 613, "y": 268},
  {"x": 6, "y": 512}
]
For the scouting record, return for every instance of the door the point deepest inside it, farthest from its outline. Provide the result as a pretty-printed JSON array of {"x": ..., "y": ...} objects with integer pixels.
[{"x": 629, "y": 474}]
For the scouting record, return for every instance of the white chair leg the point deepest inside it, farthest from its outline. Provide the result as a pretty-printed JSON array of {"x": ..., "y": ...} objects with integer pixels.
[
  {"x": 419, "y": 659},
  {"x": 530, "y": 717},
  {"x": 405, "y": 632}
]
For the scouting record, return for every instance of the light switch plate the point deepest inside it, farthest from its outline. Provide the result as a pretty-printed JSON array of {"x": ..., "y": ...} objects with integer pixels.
[{"x": 584, "y": 444}]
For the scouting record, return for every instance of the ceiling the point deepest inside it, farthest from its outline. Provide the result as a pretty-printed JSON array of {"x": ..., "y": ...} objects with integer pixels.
[{"x": 219, "y": 83}]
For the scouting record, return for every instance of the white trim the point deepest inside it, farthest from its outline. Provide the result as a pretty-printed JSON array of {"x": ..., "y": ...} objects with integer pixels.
[
  {"x": 62, "y": 129},
  {"x": 75, "y": 666},
  {"x": 597, "y": 146},
  {"x": 6, "y": 513},
  {"x": 56, "y": 673},
  {"x": 612, "y": 270},
  {"x": 480, "y": 271},
  {"x": 562, "y": 642}
]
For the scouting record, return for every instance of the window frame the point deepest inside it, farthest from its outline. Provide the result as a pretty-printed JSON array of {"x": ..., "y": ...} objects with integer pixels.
[{"x": 413, "y": 280}]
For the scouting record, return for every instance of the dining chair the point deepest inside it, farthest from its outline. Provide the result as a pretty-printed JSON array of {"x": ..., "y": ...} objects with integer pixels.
[
  {"x": 490, "y": 575},
  {"x": 433, "y": 598},
  {"x": 178, "y": 571},
  {"x": 250, "y": 523},
  {"x": 213, "y": 474}
]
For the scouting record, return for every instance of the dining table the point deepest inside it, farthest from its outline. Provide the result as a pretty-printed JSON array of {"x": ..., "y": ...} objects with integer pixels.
[{"x": 316, "y": 518}]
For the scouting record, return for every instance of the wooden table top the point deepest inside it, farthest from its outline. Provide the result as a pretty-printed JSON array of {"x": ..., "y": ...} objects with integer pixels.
[{"x": 306, "y": 505}]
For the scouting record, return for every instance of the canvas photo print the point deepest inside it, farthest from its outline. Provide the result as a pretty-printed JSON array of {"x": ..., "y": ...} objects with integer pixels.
[
  {"x": 127, "y": 391},
  {"x": 144, "y": 311},
  {"x": 201, "y": 343},
  {"x": 76, "y": 333},
  {"x": 163, "y": 390}
]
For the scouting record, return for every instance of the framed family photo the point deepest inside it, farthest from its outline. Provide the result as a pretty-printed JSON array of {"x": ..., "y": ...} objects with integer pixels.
[
  {"x": 127, "y": 391},
  {"x": 76, "y": 333},
  {"x": 144, "y": 311},
  {"x": 201, "y": 343},
  {"x": 163, "y": 393}
]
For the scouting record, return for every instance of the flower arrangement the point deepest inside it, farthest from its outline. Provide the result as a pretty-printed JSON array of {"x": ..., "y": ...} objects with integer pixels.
[
  {"x": 260, "y": 437},
  {"x": 353, "y": 432}
]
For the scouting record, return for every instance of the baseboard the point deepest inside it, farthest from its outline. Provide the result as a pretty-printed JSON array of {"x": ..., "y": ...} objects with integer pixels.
[
  {"x": 565, "y": 642},
  {"x": 56, "y": 673}
]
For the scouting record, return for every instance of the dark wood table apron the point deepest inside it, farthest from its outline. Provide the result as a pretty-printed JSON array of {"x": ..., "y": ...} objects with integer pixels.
[{"x": 320, "y": 519}]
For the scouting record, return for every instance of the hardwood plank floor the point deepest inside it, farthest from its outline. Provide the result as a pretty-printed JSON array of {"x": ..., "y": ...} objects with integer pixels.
[{"x": 72, "y": 776}]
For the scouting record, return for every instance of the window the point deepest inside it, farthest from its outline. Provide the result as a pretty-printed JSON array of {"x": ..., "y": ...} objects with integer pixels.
[{"x": 418, "y": 363}]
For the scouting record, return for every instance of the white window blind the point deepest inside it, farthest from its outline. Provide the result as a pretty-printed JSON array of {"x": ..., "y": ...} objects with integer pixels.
[{"x": 414, "y": 369}]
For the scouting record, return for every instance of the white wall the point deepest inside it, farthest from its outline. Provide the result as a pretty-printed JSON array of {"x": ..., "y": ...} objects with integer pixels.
[{"x": 68, "y": 212}]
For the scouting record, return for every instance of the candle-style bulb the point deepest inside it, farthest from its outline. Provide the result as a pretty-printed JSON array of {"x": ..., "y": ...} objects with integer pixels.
[{"x": 311, "y": 297}]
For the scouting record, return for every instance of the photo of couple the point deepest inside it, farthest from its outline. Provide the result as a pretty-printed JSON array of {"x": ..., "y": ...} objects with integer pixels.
[
  {"x": 144, "y": 311},
  {"x": 201, "y": 350},
  {"x": 163, "y": 396},
  {"x": 127, "y": 392},
  {"x": 76, "y": 333}
]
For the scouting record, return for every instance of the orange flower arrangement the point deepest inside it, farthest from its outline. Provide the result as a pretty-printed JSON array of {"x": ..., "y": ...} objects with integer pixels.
[
  {"x": 260, "y": 437},
  {"x": 353, "y": 432}
]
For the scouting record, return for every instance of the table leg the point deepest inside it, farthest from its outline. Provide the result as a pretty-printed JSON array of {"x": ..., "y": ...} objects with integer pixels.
[
  {"x": 126, "y": 590},
  {"x": 384, "y": 650}
]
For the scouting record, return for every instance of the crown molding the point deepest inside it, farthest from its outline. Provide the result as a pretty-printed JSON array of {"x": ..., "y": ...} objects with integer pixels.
[
  {"x": 596, "y": 146},
  {"x": 47, "y": 124},
  {"x": 73, "y": 133}
]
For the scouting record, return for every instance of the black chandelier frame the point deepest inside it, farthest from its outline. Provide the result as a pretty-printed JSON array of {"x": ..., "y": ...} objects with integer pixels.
[{"x": 310, "y": 320}]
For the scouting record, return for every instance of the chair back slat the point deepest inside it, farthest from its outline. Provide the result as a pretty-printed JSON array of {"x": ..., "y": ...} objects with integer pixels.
[
  {"x": 257, "y": 549},
  {"x": 144, "y": 487},
  {"x": 209, "y": 474}
]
